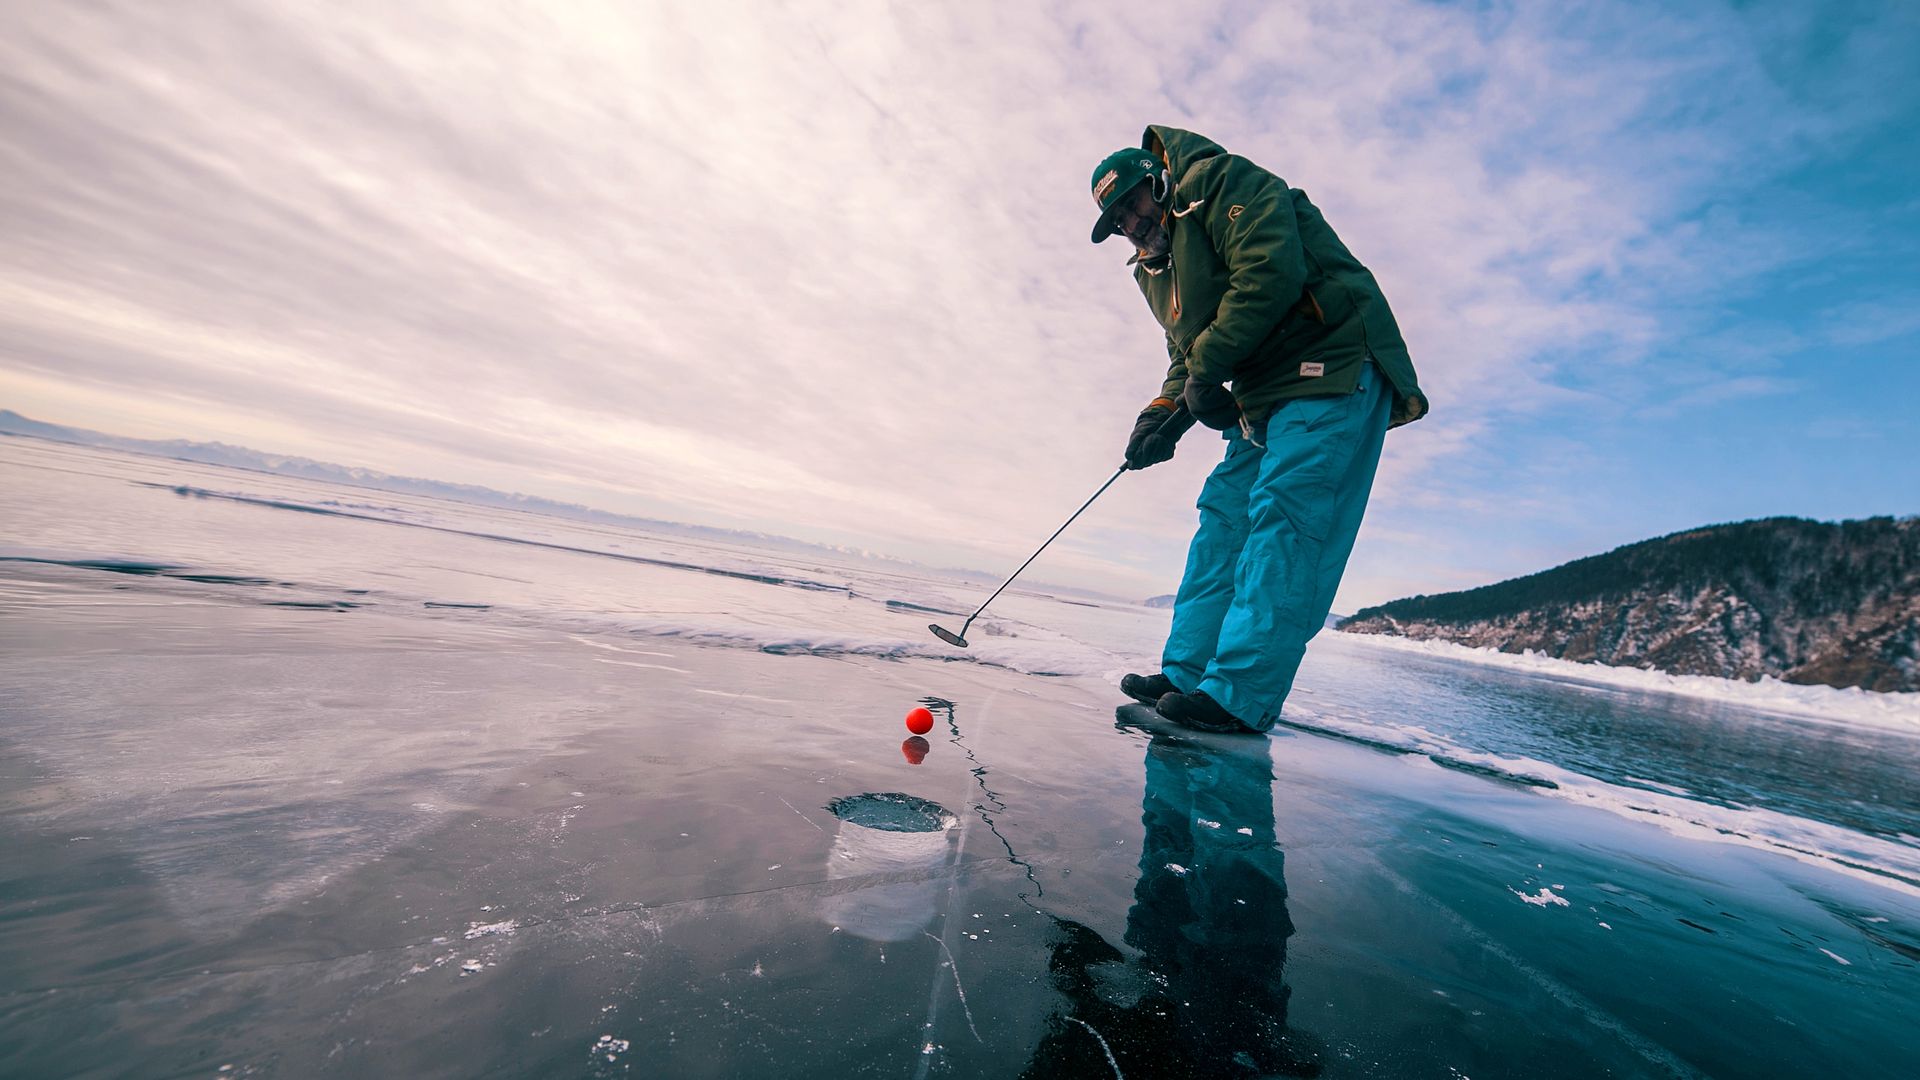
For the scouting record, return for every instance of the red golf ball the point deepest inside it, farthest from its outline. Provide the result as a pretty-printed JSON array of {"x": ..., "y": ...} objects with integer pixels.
[{"x": 919, "y": 720}]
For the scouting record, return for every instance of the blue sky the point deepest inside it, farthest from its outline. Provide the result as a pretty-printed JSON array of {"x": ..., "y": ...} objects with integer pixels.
[
  {"x": 821, "y": 269},
  {"x": 1778, "y": 214}
]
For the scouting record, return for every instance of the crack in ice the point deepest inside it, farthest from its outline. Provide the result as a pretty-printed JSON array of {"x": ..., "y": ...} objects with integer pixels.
[
  {"x": 954, "y": 966},
  {"x": 1104, "y": 1048}
]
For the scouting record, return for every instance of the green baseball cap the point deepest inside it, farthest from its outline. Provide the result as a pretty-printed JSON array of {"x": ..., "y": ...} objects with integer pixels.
[{"x": 1116, "y": 175}]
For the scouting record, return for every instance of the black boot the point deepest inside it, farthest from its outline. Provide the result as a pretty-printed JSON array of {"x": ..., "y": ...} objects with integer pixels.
[
  {"x": 1146, "y": 689},
  {"x": 1200, "y": 712}
]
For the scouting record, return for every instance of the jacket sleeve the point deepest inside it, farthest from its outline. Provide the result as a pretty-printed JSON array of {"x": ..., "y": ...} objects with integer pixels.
[
  {"x": 1176, "y": 379},
  {"x": 1248, "y": 215}
]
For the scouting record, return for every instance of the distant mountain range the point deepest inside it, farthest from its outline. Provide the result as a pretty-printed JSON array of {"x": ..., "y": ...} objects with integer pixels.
[
  {"x": 1803, "y": 601},
  {"x": 240, "y": 457},
  {"x": 1166, "y": 601}
]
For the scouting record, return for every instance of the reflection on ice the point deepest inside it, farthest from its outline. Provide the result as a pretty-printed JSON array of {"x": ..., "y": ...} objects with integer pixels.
[{"x": 1206, "y": 994}]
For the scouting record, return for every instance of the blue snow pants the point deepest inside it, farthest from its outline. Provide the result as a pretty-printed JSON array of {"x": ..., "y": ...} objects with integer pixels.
[{"x": 1277, "y": 523}]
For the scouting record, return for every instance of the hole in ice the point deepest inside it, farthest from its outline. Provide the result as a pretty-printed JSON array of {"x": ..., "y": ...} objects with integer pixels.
[{"x": 893, "y": 811}]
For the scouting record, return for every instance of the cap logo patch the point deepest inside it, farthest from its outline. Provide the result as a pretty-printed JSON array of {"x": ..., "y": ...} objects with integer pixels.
[
  {"x": 1105, "y": 185},
  {"x": 1313, "y": 370}
]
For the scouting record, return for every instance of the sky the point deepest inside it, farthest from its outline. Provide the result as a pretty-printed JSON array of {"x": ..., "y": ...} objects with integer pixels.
[{"x": 821, "y": 269}]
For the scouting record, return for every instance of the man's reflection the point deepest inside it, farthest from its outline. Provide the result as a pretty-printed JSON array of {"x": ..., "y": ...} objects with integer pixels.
[{"x": 1209, "y": 918}]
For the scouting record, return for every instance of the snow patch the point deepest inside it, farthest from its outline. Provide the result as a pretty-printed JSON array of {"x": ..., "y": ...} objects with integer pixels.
[
  {"x": 1850, "y": 706},
  {"x": 480, "y": 930}
]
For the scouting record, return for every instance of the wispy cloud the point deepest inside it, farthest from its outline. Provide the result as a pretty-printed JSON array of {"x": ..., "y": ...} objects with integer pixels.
[{"x": 825, "y": 271}]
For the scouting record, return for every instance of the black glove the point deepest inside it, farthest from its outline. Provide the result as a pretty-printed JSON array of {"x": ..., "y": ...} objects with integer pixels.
[
  {"x": 1211, "y": 404},
  {"x": 1154, "y": 433}
]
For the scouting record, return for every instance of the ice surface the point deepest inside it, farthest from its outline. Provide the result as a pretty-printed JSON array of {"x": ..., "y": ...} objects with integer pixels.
[
  {"x": 294, "y": 774},
  {"x": 1891, "y": 860}
]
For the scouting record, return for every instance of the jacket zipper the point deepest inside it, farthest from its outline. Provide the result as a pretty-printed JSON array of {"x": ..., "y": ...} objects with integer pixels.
[{"x": 1171, "y": 266}]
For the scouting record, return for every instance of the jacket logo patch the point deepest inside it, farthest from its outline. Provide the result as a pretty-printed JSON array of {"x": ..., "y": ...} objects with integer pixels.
[
  {"x": 1105, "y": 185},
  {"x": 1234, "y": 212},
  {"x": 1312, "y": 371}
]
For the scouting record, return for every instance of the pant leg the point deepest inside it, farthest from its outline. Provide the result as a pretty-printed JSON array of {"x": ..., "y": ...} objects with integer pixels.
[
  {"x": 1303, "y": 513},
  {"x": 1206, "y": 588}
]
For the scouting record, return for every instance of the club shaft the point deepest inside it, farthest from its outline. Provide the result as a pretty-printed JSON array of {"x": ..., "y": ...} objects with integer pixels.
[
  {"x": 1166, "y": 425},
  {"x": 1043, "y": 547}
]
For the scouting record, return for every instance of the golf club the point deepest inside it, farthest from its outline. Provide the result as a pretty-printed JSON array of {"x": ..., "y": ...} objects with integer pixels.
[{"x": 960, "y": 639}]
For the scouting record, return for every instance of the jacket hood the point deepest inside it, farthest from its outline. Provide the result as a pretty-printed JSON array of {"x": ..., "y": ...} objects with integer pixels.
[{"x": 1179, "y": 149}]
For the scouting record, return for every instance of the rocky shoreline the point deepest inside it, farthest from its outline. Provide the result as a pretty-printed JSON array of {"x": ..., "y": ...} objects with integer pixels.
[{"x": 1835, "y": 604}]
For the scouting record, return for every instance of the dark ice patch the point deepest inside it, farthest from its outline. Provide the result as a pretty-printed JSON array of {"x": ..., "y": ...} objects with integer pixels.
[
  {"x": 222, "y": 579},
  {"x": 902, "y": 605},
  {"x": 339, "y": 510},
  {"x": 141, "y": 568},
  {"x": 315, "y": 605},
  {"x": 111, "y": 566}
]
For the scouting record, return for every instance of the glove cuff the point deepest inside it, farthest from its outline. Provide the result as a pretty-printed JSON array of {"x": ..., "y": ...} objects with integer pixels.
[{"x": 1174, "y": 428}]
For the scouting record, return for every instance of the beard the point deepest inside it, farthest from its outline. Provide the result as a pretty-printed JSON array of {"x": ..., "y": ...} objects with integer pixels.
[{"x": 1155, "y": 243}]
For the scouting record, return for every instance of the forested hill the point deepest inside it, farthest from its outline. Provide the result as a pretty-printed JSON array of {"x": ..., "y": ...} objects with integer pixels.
[{"x": 1804, "y": 601}]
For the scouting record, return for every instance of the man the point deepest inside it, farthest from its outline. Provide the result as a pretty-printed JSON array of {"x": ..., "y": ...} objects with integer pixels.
[{"x": 1254, "y": 290}]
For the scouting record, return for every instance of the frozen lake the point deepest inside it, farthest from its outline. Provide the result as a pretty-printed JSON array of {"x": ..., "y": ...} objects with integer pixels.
[{"x": 304, "y": 779}]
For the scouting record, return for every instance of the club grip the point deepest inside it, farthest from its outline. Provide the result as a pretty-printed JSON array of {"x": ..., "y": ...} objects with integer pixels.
[{"x": 1170, "y": 428}]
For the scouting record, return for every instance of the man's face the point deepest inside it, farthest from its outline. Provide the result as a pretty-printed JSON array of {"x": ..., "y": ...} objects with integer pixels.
[
  {"x": 1138, "y": 215},
  {"x": 1142, "y": 221}
]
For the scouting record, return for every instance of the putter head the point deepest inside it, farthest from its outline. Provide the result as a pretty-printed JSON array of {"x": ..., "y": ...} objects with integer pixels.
[{"x": 947, "y": 636}]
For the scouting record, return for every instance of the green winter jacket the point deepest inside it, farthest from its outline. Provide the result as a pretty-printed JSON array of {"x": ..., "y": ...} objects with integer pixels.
[{"x": 1258, "y": 292}]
